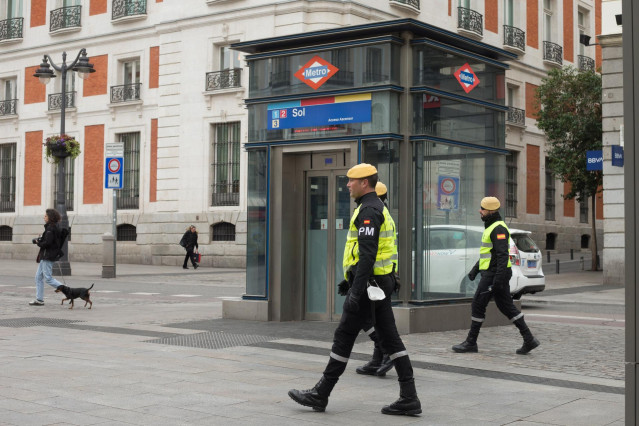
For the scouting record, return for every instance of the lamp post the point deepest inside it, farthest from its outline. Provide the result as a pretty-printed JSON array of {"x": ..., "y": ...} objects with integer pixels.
[{"x": 82, "y": 66}]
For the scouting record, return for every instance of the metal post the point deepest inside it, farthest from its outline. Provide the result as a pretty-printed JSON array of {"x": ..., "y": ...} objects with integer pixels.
[
  {"x": 571, "y": 254},
  {"x": 548, "y": 256},
  {"x": 114, "y": 230},
  {"x": 581, "y": 260},
  {"x": 557, "y": 266}
]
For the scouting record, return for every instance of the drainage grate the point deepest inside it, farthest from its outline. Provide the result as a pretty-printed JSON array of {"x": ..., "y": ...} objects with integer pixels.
[
  {"x": 35, "y": 322},
  {"x": 212, "y": 340}
]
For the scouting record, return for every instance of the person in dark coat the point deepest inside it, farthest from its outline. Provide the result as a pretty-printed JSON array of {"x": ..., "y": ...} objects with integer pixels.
[
  {"x": 49, "y": 253},
  {"x": 189, "y": 242}
]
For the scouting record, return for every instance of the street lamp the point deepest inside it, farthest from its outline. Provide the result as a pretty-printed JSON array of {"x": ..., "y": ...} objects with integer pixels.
[{"x": 82, "y": 66}]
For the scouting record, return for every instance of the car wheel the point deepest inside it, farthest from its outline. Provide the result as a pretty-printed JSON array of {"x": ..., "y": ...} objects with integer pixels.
[{"x": 468, "y": 287}]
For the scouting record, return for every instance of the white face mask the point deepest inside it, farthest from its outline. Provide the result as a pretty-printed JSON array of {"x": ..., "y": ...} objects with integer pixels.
[{"x": 374, "y": 292}]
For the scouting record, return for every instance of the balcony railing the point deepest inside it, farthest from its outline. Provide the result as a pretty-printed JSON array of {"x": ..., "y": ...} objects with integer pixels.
[
  {"x": 125, "y": 8},
  {"x": 65, "y": 17},
  {"x": 516, "y": 116},
  {"x": 585, "y": 63},
  {"x": 514, "y": 37},
  {"x": 226, "y": 79},
  {"x": 126, "y": 92},
  {"x": 55, "y": 101},
  {"x": 8, "y": 107},
  {"x": 553, "y": 53},
  {"x": 469, "y": 20},
  {"x": 11, "y": 28},
  {"x": 410, "y": 3}
]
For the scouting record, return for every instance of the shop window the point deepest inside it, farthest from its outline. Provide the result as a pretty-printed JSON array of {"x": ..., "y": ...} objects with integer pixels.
[
  {"x": 585, "y": 241},
  {"x": 129, "y": 196},
  {"x": 551, "y": 241},
  {"x": 126, "y": 232},
  {"x": 511, "y": 185},
  {"x": 6, "y": 233},
  {"x": 69, "y": 171},
  {"x": 225, "y": 165},
  {"x": 8, "y": 177},
  {"x": 223, "y": 231},
  {"x": 550, "y": 192}
]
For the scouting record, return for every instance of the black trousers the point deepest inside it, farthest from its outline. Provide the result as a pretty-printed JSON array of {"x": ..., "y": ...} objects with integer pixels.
[
  {"x": 487, "y": 290},
  {"x": 189, "y": 255},
  {"x": 352, "y": 322}
]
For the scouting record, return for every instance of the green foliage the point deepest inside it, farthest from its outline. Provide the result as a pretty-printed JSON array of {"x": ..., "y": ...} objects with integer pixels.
[
  {"x": 66, "y": 145},
  {"x": 570, "y": 116}
]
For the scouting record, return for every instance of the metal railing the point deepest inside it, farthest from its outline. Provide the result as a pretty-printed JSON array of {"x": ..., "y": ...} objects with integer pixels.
[
  {"x": 553, "y": 52},
  {"x": 585, "y": 63},
  {"x": 226, "y": 79},
  {"x": 516, "y": 116},
  {"x": 124, "y": 8},
  {"x": 224, "y": 198},
  {"x": 55, "y": 101},
  {"x": 11, "y": 28},
  {"x": 469, "y": 20},
  {"x": 125, "y": 92},
  {"x": 8, "y": 177},
  {"x": 514, "y": 37},
  {"x": 8, "y": 107},
  {"x": 411, "y": 3},
  {"x": 65, "y": 17}
]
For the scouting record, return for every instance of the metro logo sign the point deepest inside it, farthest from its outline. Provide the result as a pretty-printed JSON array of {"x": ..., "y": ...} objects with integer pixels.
[
  {"x": 466, "y": 78},
  {"x": 316, "y": 72}
]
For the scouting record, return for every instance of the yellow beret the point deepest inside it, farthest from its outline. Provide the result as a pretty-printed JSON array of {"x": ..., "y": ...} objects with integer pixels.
[
  {"x": 380, "y": 189},
  {"x": 490, "y": 203},
  {"x": 361, "y": 171}
]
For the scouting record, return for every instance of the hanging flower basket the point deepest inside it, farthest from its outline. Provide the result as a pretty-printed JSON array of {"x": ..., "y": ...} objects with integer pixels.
[{"x": 59, "y": 147}]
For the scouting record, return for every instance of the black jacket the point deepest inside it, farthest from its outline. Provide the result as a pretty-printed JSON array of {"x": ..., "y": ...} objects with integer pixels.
[
  {"x": 49, "y": 242},
  {"x": 500, "y": 237},
  {"x": 190, "y": 240}
]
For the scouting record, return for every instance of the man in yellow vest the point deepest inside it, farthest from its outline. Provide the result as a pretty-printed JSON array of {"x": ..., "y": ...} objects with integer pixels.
[
  {"x": 370, "y": 258},
  {"x": 494, "y": 266}
]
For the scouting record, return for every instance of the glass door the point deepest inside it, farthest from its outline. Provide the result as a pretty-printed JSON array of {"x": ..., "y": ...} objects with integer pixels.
[{"x": 328, "y": 209}]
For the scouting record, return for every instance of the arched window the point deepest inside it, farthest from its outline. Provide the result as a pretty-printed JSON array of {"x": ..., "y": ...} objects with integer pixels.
[
  {"x": 585, "y": 241},
  {"x": 6, "y": 233},
  {"x": 551, "y": 241},
  {"x": 127, "y": 232},
  {"x": 223, "y": 231}
]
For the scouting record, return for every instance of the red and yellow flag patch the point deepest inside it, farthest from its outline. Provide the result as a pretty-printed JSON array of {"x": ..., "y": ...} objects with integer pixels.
[
  {"x": 501, "y": 236},
  {"x": 367, "y": 221}
]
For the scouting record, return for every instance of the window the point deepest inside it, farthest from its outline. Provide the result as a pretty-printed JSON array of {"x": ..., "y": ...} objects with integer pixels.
[
  {"x": 508, "y": 12},
  {"x": 511, "y": 185},
  {"x": 550, "y": 192},
  {"x": 223, "y": 231},
  {"x": 8, "y": 95},
  {"x": 229, "y": 58},
  {"x": 128, "y": 197},
  {"x": 551, "y": 241},
  {"x": 585, "y": 241},
  {"x": 10, "y": 9},
  {"x": 581, "y": 28},
  {"x": 69, "y": 171},
  {"x": 55, "y": 99},
  {"x": 6, "y": 233},
  {"x": 8, "y": 177},
  {"x": 131, "y": 71},
  {"x": 583, "y": 210},
  {"x": 126, "y": 232},
  {"x": 548, "y": 20},
  {"x": 130, "y": 77},
  {"x": 225, "y": 165}
]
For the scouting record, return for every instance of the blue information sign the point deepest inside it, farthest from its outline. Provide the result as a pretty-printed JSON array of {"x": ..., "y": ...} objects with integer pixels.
[
  {"x": 287, "y": 116},
  {"x": 594, "y": 160},
  {"x": 113, "y": 173}
]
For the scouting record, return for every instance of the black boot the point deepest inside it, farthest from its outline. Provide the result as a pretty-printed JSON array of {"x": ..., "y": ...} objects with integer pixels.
[
  {"x": 316, "y": 398},
  {"x": 387, "y": 364},
  {"x": 408, "y": 404},
  {"x": 371, "y": 366},
  {"x": 530, "y": 342},
  {"x": 465, "y": 346},
  {"x": 470, "y": 344}
]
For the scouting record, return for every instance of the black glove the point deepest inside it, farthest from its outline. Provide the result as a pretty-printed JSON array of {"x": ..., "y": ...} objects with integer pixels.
[
  {"x": 473, "y": 272},
  {"x": 351, "y": 303},
  {"x": 342, "y": 288},
  {"x": 397, "y": 283}
]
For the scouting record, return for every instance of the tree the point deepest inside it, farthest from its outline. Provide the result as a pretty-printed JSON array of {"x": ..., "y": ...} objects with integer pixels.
[{"x": 570, "y": 116}]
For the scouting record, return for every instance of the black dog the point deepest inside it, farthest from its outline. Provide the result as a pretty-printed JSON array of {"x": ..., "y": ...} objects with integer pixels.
[{"x": 74, "y": 293}]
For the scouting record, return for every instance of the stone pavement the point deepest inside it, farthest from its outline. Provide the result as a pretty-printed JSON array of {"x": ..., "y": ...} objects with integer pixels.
[{"x": 165, "y": 356}]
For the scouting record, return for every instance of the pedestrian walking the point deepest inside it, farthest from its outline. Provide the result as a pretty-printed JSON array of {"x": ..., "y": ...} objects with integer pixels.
[
  {"x": 370, "y": 258},
  {"x": 495, "y": 268},
  {"x": 49, "y": 242},
  {"x": 189, "y": 242}
]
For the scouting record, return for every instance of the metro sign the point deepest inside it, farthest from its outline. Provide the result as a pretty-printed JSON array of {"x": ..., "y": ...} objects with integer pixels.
[
  {"x": 316, "y": 72},
  {"x": 466, "y": 78}
]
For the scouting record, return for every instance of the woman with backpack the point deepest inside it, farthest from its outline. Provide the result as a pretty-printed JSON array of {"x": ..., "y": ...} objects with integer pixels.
[
  {"x": 49, "y": 243},
  {"x": 189, "y": 242}
]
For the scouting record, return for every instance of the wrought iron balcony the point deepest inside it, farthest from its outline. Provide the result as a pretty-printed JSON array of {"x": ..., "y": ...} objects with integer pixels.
[
  {"x": 514, "y": 37},
  {"x": 65, "y": 17},
  {"x": 226, "y": 79},
  {"x": 8, "y": 107},
  {"x": 125, "y": 8},
  {"x": 126, "y": 92},
  {"x": 11, "y": 28},
  {"x": 414, "y": 4},
  {"x": 55, "y": 101},
  {"x": 585, "y": 63},
  {"x": 516, "y": 116},
  {"x": 553, "y": 53},
  {"x": 469, "y": 20}
]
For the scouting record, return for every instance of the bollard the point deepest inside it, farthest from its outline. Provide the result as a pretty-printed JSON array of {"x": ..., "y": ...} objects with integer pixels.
[
  {"x": 548, "y": 256},
  {"x": 557, "y": 267},
  {"x": 598, "y": 263},
  {"x": 581, "y": 260},
  {"x": 571, "y": 254},
  {"x": 108, "y": 262}
]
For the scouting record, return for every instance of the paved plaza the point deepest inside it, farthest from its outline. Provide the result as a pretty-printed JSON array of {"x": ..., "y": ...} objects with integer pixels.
[{"x": 154, "y": 350}]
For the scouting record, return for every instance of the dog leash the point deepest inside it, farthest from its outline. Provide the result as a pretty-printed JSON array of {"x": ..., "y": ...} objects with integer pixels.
[{"x": 60, "y": 269}]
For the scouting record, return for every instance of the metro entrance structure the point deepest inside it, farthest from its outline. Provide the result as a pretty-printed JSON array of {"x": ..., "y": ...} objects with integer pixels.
[{"x": 425, "y": 106}]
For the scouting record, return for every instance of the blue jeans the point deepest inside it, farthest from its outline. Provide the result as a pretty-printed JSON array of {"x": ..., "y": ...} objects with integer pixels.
[{"x": 44, "y": 271}]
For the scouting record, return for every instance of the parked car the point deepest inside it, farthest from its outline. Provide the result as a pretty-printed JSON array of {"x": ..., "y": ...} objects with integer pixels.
[{"x": 454, "y": 249}]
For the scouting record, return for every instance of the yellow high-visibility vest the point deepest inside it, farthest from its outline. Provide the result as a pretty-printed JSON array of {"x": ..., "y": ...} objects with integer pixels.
[{"x": 487, "y": 245}]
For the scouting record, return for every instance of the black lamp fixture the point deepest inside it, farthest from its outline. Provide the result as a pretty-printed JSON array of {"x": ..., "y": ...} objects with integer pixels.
[
  {"x": 585, "y": 40},
  {"x": 44, "y": 73},
  {"x": 618, "y": 19},
  {"x": 84, "y": 68}
]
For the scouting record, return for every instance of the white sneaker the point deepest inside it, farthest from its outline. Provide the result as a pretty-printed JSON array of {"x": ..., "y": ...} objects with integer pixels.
[{"x": 36, "y": 302}]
